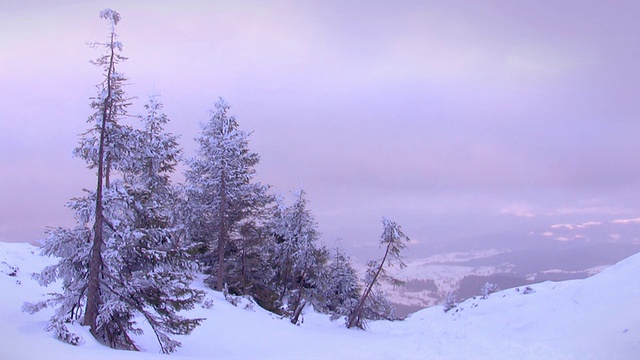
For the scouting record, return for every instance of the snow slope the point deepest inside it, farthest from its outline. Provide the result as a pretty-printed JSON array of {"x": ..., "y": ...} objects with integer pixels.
[{"x": 595, "y": 318}]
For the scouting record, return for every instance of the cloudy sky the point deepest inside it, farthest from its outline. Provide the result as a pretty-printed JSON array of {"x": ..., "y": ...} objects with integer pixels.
[{"x": 453, "y": 118}]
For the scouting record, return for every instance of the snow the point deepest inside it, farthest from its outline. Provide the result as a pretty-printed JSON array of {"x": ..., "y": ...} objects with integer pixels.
[
  {"x": 443, "y": 271},
  {"x": 591, "y": 271},
  {"x": 594, "y": 318}
]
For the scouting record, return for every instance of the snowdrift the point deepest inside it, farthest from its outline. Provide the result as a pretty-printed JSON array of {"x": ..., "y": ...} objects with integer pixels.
[{"x": 594, "y": 318}]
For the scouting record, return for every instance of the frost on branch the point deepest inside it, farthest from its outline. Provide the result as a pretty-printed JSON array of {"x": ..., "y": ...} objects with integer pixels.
[
  {"x": 62, "y": 333},
  {"x": 113, "y": 17}
]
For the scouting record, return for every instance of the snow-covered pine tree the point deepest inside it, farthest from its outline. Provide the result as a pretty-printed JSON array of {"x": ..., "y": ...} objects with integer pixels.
[
  {"x": 154, "y": 258},
  {"x": 158, "y": 153},
  {"x": 394, "y": 241},
  {"x": 252, "y": 273},
  {"x": 102, "y": 147},
  {"x": 488, "y": 289},
  {"x": 107, "y": 142},
  {"x": 220, "y": 189},
  {"x": 449, "y": 302},
  {"x": 299, "y": 260},
  {"x": 119, "y": 264},
  {"x": 377, "y": 306},
  {"x": 341, "y": 287}
]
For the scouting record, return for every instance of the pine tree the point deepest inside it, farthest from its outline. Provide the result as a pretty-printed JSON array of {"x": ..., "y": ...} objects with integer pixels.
[
  {"x": 372, "y": 304},
  {"x": 121, "y": 261},
  {"x": 252, "y": 272},
  {"x": 342, "y": 290},
  {"x": 159, "y": 152},
  {"x": 221, "y": 190},
  {"x": 108, "y": 134},
  {"x": 449, "y": 302},
  {"x": 298, "y": 258},
  {"x": 157, "y": 261},
  {"x": 488, "y": 289}
]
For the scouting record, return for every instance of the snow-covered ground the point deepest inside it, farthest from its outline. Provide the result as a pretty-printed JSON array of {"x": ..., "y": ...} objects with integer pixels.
[{"x": 595, "y": 318}]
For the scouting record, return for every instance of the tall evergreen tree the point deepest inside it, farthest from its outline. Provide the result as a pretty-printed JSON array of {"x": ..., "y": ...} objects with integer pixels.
[
  {"x": 221, "y": 190},
  {"x": 110, "y": 105},
  {"x": 121, "y": 260},
  {"x": 372, "y": 301},
  {"x": 157, "y": 261}
]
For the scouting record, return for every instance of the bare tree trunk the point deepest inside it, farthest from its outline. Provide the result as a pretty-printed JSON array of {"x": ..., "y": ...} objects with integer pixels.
[
  {"x": 223, "y": 234},
  {"x": 300, "y": 304},
  {"x": 296, "y": 314},
  {"x": 107, "y": 172},
  {"x": 151, "y": 169},
  {"x": 355, "y": 317},
  {"x": 285, "y": 279},
  {"x": 95, "y": 262},
  {"x": 243, "y": 276}
]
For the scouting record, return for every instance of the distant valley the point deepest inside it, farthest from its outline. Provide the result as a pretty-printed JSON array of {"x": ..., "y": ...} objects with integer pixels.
[{"x": 559, "y": 252}]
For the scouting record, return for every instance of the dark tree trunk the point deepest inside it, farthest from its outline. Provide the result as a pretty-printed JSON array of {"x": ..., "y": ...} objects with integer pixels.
[
  {"x": 243, "y": 277},
  {"x": 296, "y": 314},
  {"x": 107, "y": 172},
  {"x": 95, "y": 262},
  {"x": 355, "y": 317},
  {"x": 223, "y": 234},
  {"x": 285, "y": 280},
  {"x": 300, "y": 303}
]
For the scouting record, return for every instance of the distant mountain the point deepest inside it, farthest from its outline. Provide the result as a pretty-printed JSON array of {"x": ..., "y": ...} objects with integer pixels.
[{"x": 556, "y": 253}]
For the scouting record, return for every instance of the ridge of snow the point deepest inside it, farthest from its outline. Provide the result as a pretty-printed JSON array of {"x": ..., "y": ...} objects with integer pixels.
[{"x": 594, "y": 318}]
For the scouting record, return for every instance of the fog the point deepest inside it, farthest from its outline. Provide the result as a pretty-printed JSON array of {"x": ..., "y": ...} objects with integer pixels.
[{"x": 455, "y": 119}]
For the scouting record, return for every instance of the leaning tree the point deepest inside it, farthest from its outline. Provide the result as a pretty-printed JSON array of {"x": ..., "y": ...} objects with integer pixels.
[{"x": 394, "y": 241}]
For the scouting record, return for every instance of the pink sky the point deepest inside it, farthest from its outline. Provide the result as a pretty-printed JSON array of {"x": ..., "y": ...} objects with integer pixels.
[{"x": 450, "y": 117}]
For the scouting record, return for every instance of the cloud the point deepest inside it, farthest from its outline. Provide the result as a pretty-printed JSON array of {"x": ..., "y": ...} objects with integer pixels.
[
  {"x": 589, "y": 210},
  {"x": 626, "y": 221},
  {"x": 568, "y": 226},
  {"x": 518, "y": 211}
]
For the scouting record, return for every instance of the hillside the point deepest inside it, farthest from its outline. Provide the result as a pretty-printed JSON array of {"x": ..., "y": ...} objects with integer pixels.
[
  {"x": 594, "y": 318},
  {"x": 557, "y": 253}
]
